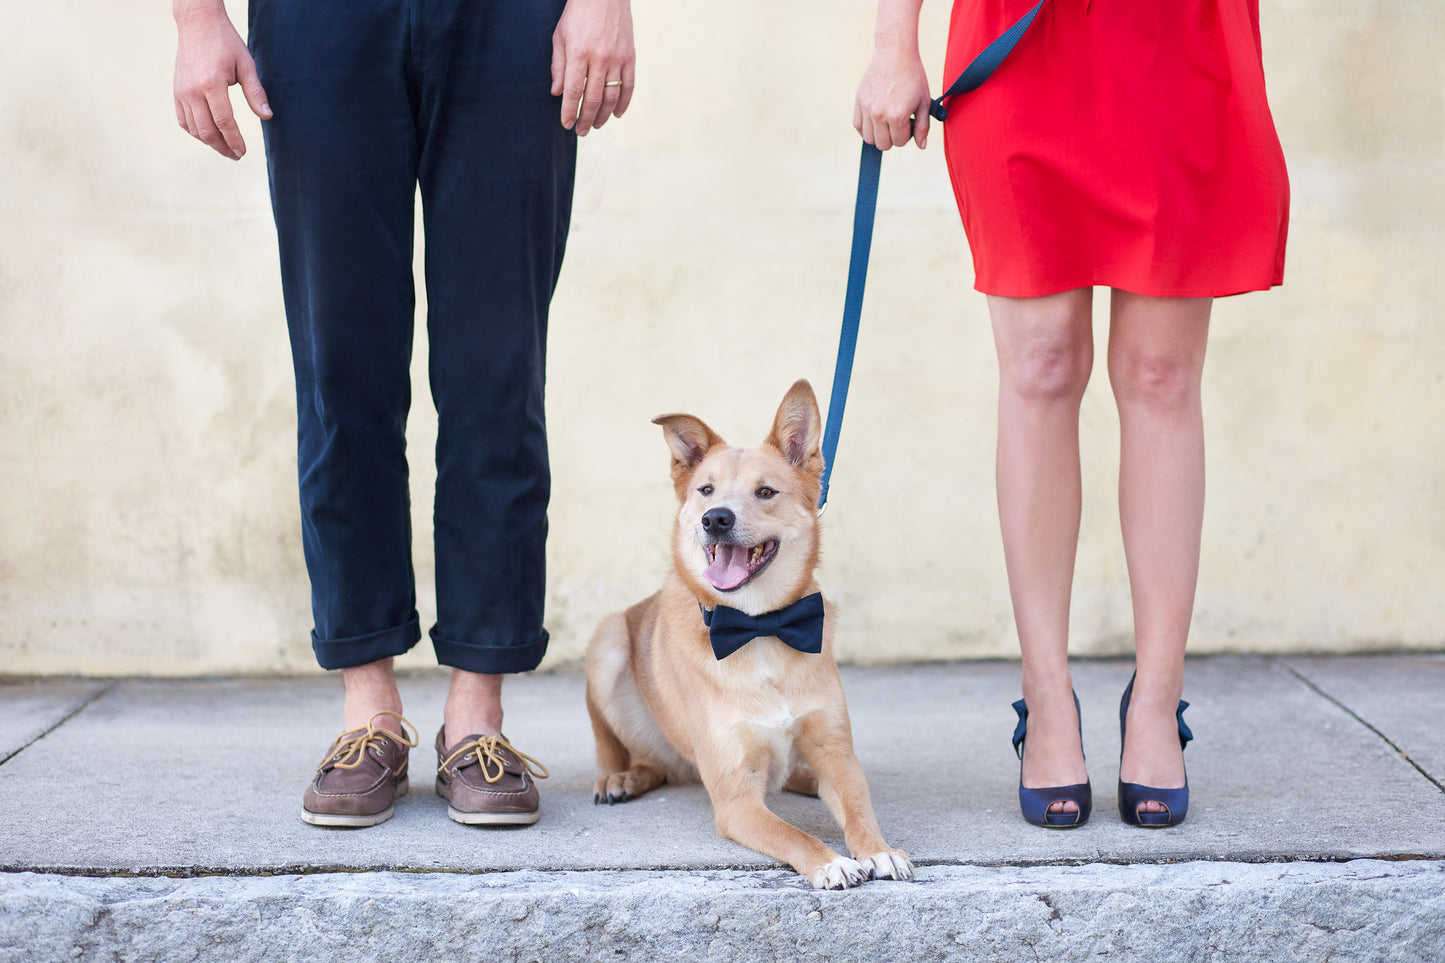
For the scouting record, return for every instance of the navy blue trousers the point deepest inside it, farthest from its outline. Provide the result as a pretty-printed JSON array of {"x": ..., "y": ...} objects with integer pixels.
[{"x": 373, "y": 99}]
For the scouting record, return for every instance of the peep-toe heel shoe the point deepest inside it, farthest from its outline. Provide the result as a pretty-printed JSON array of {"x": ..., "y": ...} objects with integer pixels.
[
  {"x": 1035, "y": 803},
  {"x": 1132, "y": 795}
]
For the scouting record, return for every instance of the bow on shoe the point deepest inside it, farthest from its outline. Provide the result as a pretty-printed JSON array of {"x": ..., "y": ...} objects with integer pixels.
[{"x": 799, "y": 626}]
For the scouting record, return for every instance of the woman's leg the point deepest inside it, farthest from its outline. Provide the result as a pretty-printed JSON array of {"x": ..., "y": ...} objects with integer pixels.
[
  {"x": 1156, "y": 358},
  {"x": 1045, "y": 351}
]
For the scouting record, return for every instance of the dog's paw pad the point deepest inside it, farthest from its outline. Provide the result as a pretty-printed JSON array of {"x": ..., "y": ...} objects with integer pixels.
[
  {"x": 841, "y": 873},
  {"x": 889, "y": 864}
]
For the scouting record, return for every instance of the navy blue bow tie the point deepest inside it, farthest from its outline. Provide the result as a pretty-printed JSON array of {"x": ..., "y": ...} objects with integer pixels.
[{"x": 799, "y": 625}]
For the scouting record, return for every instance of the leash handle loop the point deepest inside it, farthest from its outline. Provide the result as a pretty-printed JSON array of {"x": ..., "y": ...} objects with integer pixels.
[{"x": 984, "y": 64}]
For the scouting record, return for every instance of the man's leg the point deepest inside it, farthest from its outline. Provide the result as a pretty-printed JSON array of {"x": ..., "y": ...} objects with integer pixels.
[
  {"x": 496, "y": 176},
  {"x": 342, "y": 159},
  {"x": 341, "y": 154}
]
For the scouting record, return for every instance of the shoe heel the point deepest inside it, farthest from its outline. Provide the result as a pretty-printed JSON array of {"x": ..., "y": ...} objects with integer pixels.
[
  {"x": 1132, "y": 794},
  {"x": 1035, "y": 803}
]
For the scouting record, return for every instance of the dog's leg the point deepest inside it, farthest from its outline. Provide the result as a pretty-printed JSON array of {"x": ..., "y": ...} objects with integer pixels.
[
  {"x": 737, "y": 786},
  {"x": 612, "y": 755},
  {"x": 624, "y": 777},
  {"x": 826, "y": 742},
  {"x": 632, "y": 752}
]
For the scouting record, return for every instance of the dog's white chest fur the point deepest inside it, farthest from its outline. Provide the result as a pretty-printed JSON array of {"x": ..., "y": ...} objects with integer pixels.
[
  {"x": 754, "y": 671},
  {"x": 778, "y": 730}
]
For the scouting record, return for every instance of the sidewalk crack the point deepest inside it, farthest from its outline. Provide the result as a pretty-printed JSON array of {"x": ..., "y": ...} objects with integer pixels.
[
  {"x": 1362, "y": 721},
  {"x": 61, "y": 721}
]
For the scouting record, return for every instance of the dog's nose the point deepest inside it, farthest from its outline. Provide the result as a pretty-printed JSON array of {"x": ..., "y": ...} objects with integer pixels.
[{"x": 718, "y": 521}]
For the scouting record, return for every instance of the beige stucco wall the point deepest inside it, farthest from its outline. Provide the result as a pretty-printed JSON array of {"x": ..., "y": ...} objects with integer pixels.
[{"x": 148, "y": 519}]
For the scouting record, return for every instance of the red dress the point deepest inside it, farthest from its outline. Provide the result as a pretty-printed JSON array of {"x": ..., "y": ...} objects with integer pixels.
[{"x": 1125, "y": 143}]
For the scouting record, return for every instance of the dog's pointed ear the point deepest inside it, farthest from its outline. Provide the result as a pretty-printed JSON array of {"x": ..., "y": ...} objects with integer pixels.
[
  {"x": 690, "y": 441},
  {"x": 798, "y": 429}
]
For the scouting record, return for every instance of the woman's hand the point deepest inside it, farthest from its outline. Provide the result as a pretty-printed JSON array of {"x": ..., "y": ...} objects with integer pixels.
[{"x": 893, "y": 98}]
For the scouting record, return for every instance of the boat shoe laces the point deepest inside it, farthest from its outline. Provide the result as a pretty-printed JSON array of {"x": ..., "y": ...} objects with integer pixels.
[
  {"x": 488, "y": 753},
  {"x": 350, "y": 750}
]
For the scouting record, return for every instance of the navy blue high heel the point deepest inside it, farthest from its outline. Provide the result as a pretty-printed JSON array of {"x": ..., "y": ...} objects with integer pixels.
[
  {"x": 1132, "y": 795},
  {"x": 1035, "y": 803}
]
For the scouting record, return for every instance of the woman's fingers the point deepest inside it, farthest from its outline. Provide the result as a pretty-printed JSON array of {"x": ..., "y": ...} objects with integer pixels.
[
  {"x": 900, "y": 129},
  {"x": 892, "y": 103},
  {"x": 920, "y": 123}
]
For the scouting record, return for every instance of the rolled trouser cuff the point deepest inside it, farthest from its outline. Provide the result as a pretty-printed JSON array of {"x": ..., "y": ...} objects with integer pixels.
[
  {"x": 365, "y": 649},
  {"x": 490, "y": 659}
]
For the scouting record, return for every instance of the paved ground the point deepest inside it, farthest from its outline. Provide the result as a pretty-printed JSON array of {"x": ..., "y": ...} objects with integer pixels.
[{"x": 1323, "y": 772}]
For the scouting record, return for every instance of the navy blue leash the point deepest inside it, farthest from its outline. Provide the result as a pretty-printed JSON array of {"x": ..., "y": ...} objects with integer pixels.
[{"x": 869, "y": 167}]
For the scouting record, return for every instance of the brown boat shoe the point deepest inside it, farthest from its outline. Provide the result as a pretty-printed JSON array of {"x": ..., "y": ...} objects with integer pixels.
[
  {"x": 486, "y": 781},
  {"x": 363, "y": 773}
]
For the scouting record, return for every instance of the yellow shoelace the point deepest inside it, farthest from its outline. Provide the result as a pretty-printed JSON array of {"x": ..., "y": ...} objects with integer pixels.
[
  {"x": 351, "y": 752},
  {"x": 487, "y": 751}
]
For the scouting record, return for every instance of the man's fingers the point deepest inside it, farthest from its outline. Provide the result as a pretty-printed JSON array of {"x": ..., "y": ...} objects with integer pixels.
[
  {"x": 187, "y": 121},
  {"x": 611, "y": 94},
  {"x": 219, "y": 102},
  {"x": 595, "y": 90},
  {"x": 574, "y": 80},
  {"x": 559, "y": 61},
  {"x": 624, "y": 96},
  {"x": 206, "y": 130},
  {"x": 251, "y": 87},
  {"x": 181, "y": 115},
  {"x": 858, "y": 117}
]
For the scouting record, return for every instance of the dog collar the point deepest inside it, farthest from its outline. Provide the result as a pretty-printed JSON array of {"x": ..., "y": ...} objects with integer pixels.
[{"x": 799, "y": 626}]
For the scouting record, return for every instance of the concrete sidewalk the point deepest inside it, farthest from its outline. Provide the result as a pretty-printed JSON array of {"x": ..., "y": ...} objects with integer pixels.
[{"x": 147, "y": 819}]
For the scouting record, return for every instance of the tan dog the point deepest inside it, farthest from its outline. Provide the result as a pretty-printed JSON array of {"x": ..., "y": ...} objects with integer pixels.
[{"x": 664, "y": 707}]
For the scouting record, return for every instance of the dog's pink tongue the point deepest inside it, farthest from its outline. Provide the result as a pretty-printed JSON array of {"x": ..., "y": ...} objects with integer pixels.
[{"x": 729, "y": 568}]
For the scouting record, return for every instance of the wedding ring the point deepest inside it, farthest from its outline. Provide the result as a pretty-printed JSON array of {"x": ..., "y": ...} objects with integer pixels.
[{"x": 613, "y": 83}]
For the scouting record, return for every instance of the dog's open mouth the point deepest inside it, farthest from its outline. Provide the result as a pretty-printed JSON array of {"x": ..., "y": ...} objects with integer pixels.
[{"x": 733, "y": 566}]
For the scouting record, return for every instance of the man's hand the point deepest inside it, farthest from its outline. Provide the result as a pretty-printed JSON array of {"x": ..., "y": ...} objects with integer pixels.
[
  {"x": 592, "y": 62},
  {"x": 210, "y": 57}
]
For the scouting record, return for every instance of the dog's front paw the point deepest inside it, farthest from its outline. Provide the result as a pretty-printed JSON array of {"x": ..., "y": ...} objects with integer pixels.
[
  {"x": 611, "y": 789},
  {"x": 619, "y": 787},
  {"x": 889, "y": 864},
  {"x": 841, "y": 873}
]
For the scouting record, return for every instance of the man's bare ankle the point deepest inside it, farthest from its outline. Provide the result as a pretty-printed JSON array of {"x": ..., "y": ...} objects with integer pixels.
[{"x": 474, "y": 706}]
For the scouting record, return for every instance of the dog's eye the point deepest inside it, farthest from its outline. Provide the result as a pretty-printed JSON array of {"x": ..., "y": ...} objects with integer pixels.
[
  {"x": 706, "y": 489},
  {"x": 765, "y": 492}
]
